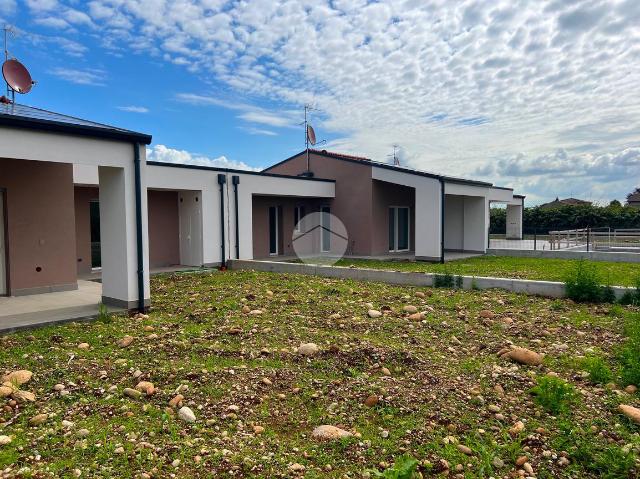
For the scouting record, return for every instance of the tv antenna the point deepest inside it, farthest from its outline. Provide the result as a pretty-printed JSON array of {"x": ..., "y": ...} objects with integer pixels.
[
  {"x": 16, "y": 75},
  {"x": 309, "y": 136},
  {"x": 394, "y": 155}
]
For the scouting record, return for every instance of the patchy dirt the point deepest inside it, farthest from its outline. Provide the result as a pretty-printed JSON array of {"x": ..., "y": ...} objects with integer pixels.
[{"x": 443, "y": 394}]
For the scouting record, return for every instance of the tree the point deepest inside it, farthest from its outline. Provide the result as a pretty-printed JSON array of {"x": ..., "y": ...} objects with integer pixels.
[{"x": 615, "y": 204}]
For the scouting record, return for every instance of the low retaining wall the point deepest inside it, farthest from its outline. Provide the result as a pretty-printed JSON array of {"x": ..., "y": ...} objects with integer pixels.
[
  {"x": 617, "y": 257},
  {"x": 549, "y": 289}
]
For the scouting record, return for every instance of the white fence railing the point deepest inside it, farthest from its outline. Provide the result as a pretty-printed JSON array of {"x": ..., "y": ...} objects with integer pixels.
[{"x": 601, "y": 239}]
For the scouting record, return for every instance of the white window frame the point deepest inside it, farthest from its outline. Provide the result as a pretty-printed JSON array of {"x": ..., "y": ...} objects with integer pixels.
[
  {"x": 277, "y": 228},
  {"x": 395, "y": 230},
  {"x": 297, "y": 213}
]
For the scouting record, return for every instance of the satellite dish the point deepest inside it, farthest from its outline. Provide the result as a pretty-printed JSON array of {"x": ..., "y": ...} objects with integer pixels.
[
  {"x": 17, "y": 76},
  {"x": 311, "y": 135}
]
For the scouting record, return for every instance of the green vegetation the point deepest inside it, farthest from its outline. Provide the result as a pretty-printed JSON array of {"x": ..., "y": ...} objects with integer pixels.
[
  {"x": 431, "y": 388},
  {"x": 569, "y": 217},
  {"x": 584, "y": 284},
  {"x": 599, "y": 371},
  {"x": 629, "y": 355},
  {"x": 405, "y": 467},
  {"x": 554, "y": 394},
  {"x": 545, "y": 269}
]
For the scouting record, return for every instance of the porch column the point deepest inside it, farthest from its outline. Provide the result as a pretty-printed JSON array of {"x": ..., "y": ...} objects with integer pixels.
[
  {"x": 514, "y": 222},
  {"x": 428, "y": 222},
  {"x": 118, "y": 236}
]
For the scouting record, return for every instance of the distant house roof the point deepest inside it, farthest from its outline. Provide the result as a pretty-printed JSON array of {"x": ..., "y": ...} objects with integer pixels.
[
  {"x": 634, "y": 197},
  {"x": 27, "y": 117},
  {"x": 368, "y": 161},
  {"x": 557, "y": 203}
]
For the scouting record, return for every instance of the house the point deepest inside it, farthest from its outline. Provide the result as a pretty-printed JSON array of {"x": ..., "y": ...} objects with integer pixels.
[
  {"x": 558, "y": 203},
  {"x": 392, "y": 210},
  {"x": 633, "y": 198},
  {"x": 78, "y": 202}
]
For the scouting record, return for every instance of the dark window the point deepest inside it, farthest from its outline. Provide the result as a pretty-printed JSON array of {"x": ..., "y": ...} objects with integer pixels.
[
  {"x": 392, "y": 229},
  {"x": 325, "y": 219},
  {"x": 273, "y": 230},
  {"x": 94, "y": 220},
  {"x": 403, "y": 228}
]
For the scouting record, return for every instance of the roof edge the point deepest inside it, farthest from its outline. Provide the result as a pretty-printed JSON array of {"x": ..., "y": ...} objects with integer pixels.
[
  {"x": 233, "y": 170},
  {"x": 78, "y": 130}
]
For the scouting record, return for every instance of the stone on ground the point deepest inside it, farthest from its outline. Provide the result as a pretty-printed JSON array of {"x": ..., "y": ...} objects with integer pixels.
[
  {"x": 330, "y": 432},
  {"x": 308, "y": 349},
  {"x": 125, "y": 341},
  {"x": 524, "y": 356},
  {"x": 374, "y": 313},
  {"x": 146, "y": 387},
  {"x": 631, "y": 412},
  {"x": 20, "y": 377},
  {"x": 186, "y": 414}
]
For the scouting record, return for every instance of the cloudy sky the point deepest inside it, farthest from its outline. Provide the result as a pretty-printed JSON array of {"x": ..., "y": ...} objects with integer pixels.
[{"x": 540, "y": 95}]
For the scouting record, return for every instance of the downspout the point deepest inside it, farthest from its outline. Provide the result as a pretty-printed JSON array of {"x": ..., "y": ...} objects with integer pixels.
[
  {"x": 236, "y": 181},
  {"x": 139, "y": 248},
  {"x": 222, "y": 179},
  {"x": 441, "y": 221}
]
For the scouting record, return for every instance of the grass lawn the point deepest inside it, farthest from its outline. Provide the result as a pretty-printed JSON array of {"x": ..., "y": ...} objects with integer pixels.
[
  {"x": 613, "y": 274},
  {"x": 441, "y": 392}
]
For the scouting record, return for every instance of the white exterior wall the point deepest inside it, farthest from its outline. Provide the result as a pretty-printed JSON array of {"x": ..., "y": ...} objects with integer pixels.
[
  {"x": 206, "y": 181},
  {"x": 120, "y": 254},
  {"x": 514, "y": 221},
  {"x": 427, "y": 208}
]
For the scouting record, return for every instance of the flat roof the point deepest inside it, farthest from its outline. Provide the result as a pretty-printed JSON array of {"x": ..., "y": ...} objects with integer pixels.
[
  {"x": 27, "y": 117},
  {"x": 366, "y": 161},
  {"x": 232, "y": 170}
]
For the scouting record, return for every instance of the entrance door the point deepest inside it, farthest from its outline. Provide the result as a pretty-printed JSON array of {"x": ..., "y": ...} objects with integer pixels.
[
  {"x": 3, "y": 252},
  {"x": 274, "y": 237},
  {"x": 190, "y": 212},
  {"x": 325, "y": 223}
]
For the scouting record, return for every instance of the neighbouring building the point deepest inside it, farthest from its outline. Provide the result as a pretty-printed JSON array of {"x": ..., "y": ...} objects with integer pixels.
[
  {"x": 395, "y": 210},
  {"x": 633, "y": 198},
  {"x": 558, "y": 203}
]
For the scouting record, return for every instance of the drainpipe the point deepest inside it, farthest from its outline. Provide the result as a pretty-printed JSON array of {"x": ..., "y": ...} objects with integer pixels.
[
  {"x": 222, "y": 179},
  {"x": 441, "y": 221},
  {"x": 140, "y": 252},
  {"x": 235, "y": 179}
]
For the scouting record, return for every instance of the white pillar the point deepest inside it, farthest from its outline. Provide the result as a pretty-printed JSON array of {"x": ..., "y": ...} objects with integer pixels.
[
  {"x": 475, "y": 224},
  {"x": 118, "y": 241},
  {"x": 428, "y": 217},
  {"x": 514, "y": 222}
]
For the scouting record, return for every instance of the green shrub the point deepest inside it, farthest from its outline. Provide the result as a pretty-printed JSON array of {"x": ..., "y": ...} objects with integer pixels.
[
  {"x": 583, "y": 284},
  {"x": 554, "y": 394},
  {"x": 632, "y": 297},
  {"x": 607, "y": 461},
  {"x": 444, "y": 280},
  {"x": 403, "y": 468},
  {"x": 599, "y": 372},
  {"x": 629, "y": 355}
]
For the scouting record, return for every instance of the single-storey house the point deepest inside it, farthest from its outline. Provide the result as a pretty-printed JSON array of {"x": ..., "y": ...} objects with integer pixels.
[
  {"x": 391, "y": 210},
  {"x": 558, "y": 203}
]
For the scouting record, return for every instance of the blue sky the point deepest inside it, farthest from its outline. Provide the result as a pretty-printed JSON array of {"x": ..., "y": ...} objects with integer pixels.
[{"x": 537, "y": 95}]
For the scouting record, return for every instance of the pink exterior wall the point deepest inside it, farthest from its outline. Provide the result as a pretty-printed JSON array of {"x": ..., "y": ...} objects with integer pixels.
[
  {"x": 83, "y": 195},
  {"x": 164, "y": 228},
  {"x": 352, "y": 203},
  {"x": 386, "y": 195},
  {"x": 41, "y": 225},
  {"x": 260, "y": 222},
  {"x": 361, "y": 202}
]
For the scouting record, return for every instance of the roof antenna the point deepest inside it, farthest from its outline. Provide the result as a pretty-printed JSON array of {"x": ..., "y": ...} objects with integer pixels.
[
  {"x": 394, "y": 156},
  {"x": 16, "y": 76},
  {"x": 309, "y": 137}
]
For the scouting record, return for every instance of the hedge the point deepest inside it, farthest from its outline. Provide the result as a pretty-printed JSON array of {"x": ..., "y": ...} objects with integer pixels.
[{"x": 569, "y": 217}]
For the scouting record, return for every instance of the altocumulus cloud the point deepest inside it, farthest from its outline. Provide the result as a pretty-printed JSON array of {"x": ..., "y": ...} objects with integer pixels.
[
  {"x": 505, "y": 79},
  {"x": 168, "y": 155},
  {"x": 592, "y": 176}
]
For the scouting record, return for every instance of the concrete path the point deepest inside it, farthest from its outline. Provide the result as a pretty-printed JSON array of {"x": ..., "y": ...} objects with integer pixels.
[{"x": 39, "y": 309}]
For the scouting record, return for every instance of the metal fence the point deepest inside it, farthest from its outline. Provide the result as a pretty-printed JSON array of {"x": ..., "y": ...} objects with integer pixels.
[{"x": 583, "y": 239}]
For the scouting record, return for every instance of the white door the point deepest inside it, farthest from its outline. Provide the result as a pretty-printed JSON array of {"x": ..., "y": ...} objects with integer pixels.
[
  {"x": 3, "y": 256},
  {"x": 190, "y": 212}
]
